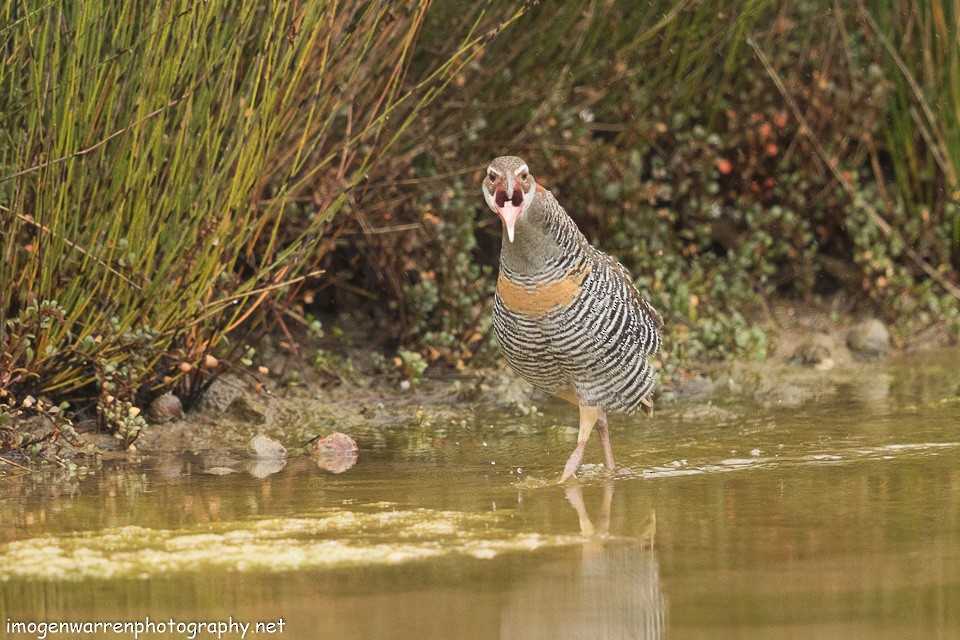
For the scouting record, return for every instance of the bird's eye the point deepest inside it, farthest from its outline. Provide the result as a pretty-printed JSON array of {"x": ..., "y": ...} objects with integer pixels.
[
  {"x": 491, "y": 176},
  {"x": 523, "y": 175}
]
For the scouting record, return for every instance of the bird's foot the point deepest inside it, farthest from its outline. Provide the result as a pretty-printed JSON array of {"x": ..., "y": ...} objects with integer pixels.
[{"x": 573, "y": 464}]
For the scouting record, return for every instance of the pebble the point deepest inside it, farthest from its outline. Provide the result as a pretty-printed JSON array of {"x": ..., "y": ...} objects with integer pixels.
[
  {"x": 165, "y": 408},
  {"x": 817, "y": 351},
  {"x": 265, "y": 447},
  {"x": 336, "y": 442},
  {"x": 336, "y": 453},
  {"x": 221, "y": 393},
  {"x": 869, "y": 339}
]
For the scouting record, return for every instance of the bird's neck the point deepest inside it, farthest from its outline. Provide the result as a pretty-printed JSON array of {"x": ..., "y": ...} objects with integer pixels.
[{"x": 536, "y": 247}]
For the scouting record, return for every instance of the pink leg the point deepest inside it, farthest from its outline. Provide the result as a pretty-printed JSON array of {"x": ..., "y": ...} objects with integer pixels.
[
  {"x": 603, "y": 430},
  {"x": 573, "y": 462},
  {"x": 588, "y": 417}
]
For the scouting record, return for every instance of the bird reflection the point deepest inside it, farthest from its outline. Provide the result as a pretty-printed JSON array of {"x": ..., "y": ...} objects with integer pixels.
[{"x": 612, "y": 593}]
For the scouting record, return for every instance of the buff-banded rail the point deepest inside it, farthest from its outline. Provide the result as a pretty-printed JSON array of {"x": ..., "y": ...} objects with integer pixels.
[{"x": 568, "y": 318}]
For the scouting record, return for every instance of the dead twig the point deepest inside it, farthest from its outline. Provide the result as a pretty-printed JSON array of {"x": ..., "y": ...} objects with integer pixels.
[{"x": 14, "y": 464}]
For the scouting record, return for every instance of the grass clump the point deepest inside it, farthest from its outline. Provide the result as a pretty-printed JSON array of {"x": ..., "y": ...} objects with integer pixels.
[{"x": 153, "y": 163}]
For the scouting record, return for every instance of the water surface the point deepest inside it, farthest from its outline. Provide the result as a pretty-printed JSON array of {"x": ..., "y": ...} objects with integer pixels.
[{"x": 818, "y": 506}]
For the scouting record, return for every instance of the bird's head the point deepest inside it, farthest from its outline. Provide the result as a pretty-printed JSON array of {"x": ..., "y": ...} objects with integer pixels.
[{"x": 509, "y": 189}]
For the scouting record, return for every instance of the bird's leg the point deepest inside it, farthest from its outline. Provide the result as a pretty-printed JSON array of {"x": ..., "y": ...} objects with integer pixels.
[
  {"x": 647, "y": 405},
  {"x": 603, "y": 430},
  {"x": 588, "y": 418},
  {"x": 573, "y": 463}
]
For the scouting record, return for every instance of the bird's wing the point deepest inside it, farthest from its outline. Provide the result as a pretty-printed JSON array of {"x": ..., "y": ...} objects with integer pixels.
[{"x": 624, "y": 276}]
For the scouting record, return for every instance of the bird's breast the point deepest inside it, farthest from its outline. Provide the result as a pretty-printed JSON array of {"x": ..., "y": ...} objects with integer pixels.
[{"x": 537, "y": 299}]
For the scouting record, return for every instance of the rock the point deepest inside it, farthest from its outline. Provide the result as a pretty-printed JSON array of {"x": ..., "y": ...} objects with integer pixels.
[
  {"x": 812, "y": 350},
  {"x": 336, "y": 442},
  {"x": 816, "y": 351},
  {"x": 165, "y": 408},
  {"x": 221, "y": 393},
  {"x": 869, "y": 340},
  {"x": 336, "y": 453},
  {"x": 265, "y": 447}
]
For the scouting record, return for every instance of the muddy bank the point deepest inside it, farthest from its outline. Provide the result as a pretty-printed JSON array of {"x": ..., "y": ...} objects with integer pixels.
[
  {"x": 245, "y": 423},
  {"x": 816, "y": 357}
]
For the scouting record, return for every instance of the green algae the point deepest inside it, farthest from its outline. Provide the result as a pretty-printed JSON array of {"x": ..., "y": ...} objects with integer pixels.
[{"x": 338, "y": 538}]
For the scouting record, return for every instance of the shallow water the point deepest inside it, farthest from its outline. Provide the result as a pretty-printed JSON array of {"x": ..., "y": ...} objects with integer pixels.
[{"x": 814, "y": 507}]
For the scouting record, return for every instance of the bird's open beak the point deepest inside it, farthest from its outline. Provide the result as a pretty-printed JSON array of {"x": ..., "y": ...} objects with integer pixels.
[{"x": 508, "y": 202}]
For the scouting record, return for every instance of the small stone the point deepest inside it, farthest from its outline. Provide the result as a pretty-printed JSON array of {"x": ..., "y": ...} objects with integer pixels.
[
  {"x": 221, "y": 393},
  {"x": 816, "y": 351},
  {"x": 869, "y": 339},
  {"x": 336, "y": 453},
  {"x": 336, "y": 443},
  {"x": 165, "y": 408},
  {"x": 265, "y": 447}
]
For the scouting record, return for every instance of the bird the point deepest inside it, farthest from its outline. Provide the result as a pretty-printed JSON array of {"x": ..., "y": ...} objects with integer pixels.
[{"x": 567, "y": 317}]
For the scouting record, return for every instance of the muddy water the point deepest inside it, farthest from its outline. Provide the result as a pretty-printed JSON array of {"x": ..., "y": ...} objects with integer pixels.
[{"x": 815, "y": 506}]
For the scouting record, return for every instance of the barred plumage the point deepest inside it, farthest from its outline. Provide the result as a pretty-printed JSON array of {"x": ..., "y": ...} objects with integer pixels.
[{"x": 567, "y": 317}]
